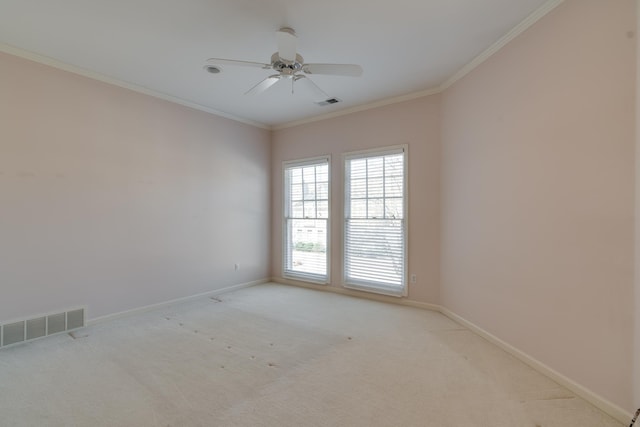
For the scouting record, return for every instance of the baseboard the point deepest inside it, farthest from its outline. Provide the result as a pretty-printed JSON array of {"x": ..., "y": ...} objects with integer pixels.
[
  {"x": 601, "y": 403},
  {"x": 163, "y": 304},
  {"x": 355, "y": 293},
  {"x": 596, "y": 400}
]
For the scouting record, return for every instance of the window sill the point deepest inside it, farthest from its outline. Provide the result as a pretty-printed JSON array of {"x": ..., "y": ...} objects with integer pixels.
[
  {"x": 307, "y": 279},
  {"x": 398, "y": 293}
]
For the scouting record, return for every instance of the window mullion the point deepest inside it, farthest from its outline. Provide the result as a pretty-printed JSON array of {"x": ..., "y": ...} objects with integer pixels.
[
  {"x": 366, "y": 194},
  {"x": 384, "y": 185}
]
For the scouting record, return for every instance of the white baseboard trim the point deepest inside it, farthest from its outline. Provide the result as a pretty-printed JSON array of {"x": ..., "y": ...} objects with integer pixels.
[
  {"x": 596, "y": 400},
  {"x": 355, "y": 293},
  {"x": 163, "y": 304}
]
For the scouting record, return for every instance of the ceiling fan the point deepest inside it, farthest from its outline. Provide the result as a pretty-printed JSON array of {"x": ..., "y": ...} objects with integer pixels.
[{"x": 289, "y": 65}]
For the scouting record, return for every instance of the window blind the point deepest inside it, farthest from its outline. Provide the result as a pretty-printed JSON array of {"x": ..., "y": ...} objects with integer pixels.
[
  {"x": 306, "y": 220},
  {"x": 375, "y": 230}
]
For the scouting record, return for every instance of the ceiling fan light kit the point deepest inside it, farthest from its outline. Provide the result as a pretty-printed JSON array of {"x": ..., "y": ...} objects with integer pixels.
[{"x": 289, "y": 65}]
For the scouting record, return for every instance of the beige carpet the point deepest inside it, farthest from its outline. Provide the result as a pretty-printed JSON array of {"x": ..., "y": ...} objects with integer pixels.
[{"x": 275, "y": 355}]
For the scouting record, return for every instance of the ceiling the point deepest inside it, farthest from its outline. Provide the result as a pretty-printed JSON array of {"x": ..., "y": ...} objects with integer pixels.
[{"x": 160, "y": 46}]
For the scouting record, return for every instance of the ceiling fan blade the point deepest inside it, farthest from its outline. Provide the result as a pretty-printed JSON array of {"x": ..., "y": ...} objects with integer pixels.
[
  {"x": 351, "y": 70},
  {"x": 220, "y": 61},
  {"x": 287, "y": 44},
  {"x": 318, "y": 94},
  {"x": 263, "y": 85}
]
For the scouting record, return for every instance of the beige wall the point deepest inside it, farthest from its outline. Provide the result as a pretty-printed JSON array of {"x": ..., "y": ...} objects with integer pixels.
[
  {"x": 416, "y": 123},
  {"x": 538, "y": 190},
  {"x": 521, "y": 189},
  {"x": 531, "y": 202},
  {"x": 116, "y": 200}
]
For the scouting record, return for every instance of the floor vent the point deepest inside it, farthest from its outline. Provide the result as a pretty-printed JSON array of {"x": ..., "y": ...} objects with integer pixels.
[{"x": 41, "y": 326}]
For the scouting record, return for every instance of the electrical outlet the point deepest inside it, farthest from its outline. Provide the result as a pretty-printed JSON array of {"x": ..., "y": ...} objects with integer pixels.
[{"x": 413, "y": 278}]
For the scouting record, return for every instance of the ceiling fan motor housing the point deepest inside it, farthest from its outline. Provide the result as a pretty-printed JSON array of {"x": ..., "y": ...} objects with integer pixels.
[{"x": 286, "y": 67}]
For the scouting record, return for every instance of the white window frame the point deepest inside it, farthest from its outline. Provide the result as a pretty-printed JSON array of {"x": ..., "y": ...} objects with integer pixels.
[
  {"x": 371, "y": 286},
  {"x": 286, "y": 272}
]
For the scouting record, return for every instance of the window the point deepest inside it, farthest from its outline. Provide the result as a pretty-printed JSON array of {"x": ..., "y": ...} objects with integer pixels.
[
  {"x": 306, "y": 220},
  {"x": 375, "y": 221}
]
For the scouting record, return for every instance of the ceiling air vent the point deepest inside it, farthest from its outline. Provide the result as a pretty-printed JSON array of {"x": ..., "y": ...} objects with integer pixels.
[{"x": 328, "y": 102}]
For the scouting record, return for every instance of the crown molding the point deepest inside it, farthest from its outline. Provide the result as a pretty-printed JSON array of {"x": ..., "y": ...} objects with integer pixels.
[
  {"x": 474, "y": 63},
  {"x": 363, "y": 107},
  {"x": 502, "y": 42},
  {"x": 45, "y": 60}
]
